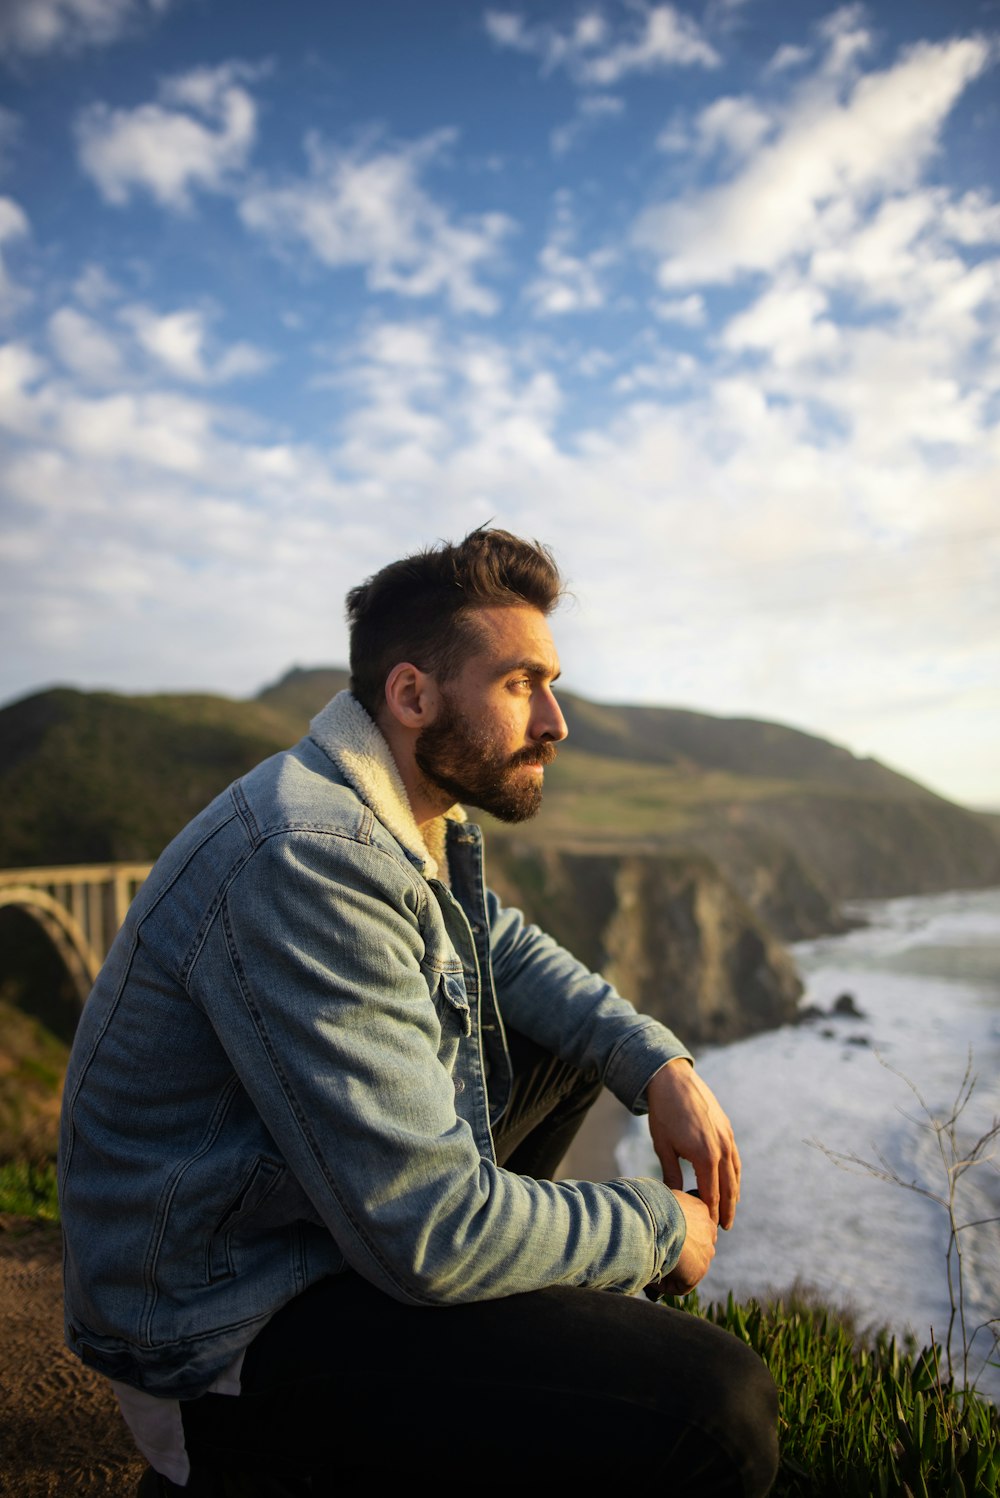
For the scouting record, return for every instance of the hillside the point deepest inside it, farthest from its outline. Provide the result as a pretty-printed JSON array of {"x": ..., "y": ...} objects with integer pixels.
[
  {"x": 797, "y": 824},
  {"x": 90, "y": 776},
  {"x": 673, "y": 850}
]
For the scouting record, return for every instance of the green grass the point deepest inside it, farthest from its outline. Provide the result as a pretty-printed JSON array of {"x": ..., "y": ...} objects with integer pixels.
[
  {"x": 868, "y": 1420},
  {"x": 28, "y": 1189}
]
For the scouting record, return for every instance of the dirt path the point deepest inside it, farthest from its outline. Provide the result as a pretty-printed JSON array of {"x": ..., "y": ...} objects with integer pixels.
[{"x": 60, "y": 1431}]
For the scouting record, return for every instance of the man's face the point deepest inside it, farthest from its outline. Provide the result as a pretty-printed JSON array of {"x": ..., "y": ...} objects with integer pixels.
[{"x": 498, "y": 723}]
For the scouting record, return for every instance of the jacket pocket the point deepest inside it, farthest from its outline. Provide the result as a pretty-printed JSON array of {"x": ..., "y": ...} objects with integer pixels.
[
  {"x": 256, "y": 1187},
  {"x": 447, "y": 990}
]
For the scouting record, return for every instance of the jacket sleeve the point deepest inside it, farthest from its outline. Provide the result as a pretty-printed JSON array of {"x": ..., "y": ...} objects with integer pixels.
[
  {"x": 548, "y": 995},
  {"x": 336, "y": 1038}
]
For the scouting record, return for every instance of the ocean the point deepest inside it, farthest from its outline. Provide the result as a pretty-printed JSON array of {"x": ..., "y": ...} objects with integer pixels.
[{"x": 925, "y": 975}]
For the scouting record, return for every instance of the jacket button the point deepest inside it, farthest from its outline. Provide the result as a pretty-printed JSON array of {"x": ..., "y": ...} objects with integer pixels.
[{"x": 459, "y": 1085}]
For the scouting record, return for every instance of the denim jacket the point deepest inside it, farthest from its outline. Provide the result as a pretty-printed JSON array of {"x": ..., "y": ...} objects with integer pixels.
[{"x": 282, "y": 1073}]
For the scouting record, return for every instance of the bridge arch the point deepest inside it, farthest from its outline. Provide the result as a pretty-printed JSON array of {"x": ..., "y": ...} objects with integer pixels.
[
  {"x": 80, "y": 908},
  {"x": 66, "y": 934}
]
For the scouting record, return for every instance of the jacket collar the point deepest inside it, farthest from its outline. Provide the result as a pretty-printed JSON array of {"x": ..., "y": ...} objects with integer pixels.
[{"x": 345, "y": 732}]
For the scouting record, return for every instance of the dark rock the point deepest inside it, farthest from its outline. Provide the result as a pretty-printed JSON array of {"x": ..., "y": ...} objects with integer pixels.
[{"x": 845, "y": 1006}]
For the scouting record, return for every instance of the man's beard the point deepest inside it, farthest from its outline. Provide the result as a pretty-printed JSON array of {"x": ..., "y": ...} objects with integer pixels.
[{"x": 464, "y": 760}]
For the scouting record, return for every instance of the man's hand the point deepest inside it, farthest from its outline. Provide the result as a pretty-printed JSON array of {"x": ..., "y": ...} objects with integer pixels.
[
  {"x": 686, "y": 1123},
  {"x": 697, "y": 1253}
]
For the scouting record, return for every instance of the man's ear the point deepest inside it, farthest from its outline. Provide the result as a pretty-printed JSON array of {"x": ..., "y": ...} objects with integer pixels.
[{"x": 411, "y": 696}]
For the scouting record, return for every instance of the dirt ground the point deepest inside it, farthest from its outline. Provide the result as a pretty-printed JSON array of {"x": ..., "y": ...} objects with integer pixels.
[{"x": 60, "y": 1431}]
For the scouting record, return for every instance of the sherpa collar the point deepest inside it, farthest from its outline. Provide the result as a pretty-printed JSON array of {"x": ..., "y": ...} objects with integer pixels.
[{"x": 349, "y": 736}]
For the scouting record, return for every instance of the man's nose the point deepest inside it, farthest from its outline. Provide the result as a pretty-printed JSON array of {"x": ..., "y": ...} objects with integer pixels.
[{"x": 548, "y": 722}]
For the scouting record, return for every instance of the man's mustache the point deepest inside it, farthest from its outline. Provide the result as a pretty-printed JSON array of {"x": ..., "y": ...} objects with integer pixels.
[{"x": 534, "y": 754}]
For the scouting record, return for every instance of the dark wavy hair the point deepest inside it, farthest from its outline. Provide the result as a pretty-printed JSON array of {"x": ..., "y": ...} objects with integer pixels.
[{"x": 423, "y": 608}]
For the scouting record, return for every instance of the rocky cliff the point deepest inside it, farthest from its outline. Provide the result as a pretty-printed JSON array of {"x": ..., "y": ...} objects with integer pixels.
[{"x": 667, "y": 929}]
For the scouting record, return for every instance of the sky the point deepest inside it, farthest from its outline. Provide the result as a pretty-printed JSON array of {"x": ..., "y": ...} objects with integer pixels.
[{"x": 704, "y": 296}]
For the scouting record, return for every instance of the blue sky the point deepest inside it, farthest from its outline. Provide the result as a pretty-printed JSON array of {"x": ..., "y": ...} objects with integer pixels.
[{"x": 705, "y": 296}]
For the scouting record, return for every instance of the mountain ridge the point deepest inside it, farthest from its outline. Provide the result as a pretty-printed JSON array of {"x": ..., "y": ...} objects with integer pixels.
[{"x": 676, "y": 851}]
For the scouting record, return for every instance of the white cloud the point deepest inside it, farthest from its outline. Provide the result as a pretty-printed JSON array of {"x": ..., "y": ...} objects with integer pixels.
[
  {"x": 198, "y": 135},
  {"x": 848, "y": 39},
  {"x": 367, "y": 207},
  {"x": 33, "y": 27},
  {"x": 735, "y": 126},
  {"x": 84, "y": 348},
  {"x": 688, "y": 310},
  {"x": 13, "y": 225},
  {"x": 591, "y": 109},
  {"x": 568, "y": 282},
  {"x": 179, "y": 342},
  {"x": 787, "y": 57},
  {"x": 765, "y": 563},
  {"x": 788, "y": 322},
  {"x": 806, "y": 188},
  {"x": 599, "y": 56}
]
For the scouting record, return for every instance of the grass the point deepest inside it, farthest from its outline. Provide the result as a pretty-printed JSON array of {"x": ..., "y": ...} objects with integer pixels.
[
  {"x": 28, "y": 1189},
  {"x": 864, "y": 1419}
]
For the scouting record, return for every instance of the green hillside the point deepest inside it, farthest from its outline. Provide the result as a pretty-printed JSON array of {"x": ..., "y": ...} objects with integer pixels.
[
  {"x": 93, "y": 776},
  {"x": 794, "y": 822}
]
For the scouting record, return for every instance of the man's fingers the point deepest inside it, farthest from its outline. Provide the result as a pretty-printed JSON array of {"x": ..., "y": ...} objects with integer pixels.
[
  {"x": 730, "y": 1193},
  {"x": 707, "y": 1177},
  {"x": 673, "y": 1175}
]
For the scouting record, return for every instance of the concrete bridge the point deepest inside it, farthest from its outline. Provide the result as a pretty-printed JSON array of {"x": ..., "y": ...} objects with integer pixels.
[{"x": 79, "y": 908}]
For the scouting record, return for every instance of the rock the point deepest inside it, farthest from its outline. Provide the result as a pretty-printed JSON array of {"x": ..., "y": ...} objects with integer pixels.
[
  {"x": 667, "y": 929},
  {"x": 845, "y": 1006}
]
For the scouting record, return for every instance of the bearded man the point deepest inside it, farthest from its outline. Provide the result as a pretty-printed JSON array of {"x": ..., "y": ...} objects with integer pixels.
[{"x": 319, "y": 1096}]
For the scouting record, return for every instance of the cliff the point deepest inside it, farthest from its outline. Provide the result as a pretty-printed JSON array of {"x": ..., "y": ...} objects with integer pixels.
[{"x": 667, "y": 929}]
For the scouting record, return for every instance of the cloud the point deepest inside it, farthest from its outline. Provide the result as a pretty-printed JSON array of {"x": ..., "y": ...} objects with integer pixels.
[
  {"x": 184, "y": 521},
  {"x": 832, "y": 154},
  {"x": 730, "y": 128},
  {"x": 735, "y": 126},
  {"x": 597, "y": 55},
  {"x": 136, "y": 345},
  {"x": 84, "y": 348},
  {"x": 198, "y": 135},
  {"x": 13, "y": 226},
  {"x": 688, "y": 310},
  {"x": 367, "y": 207},
  {"x": 33, "y": 27},
  {"x": 568, "y": 282},
  {"x": 788, "y": 56},
  {"x": 591, "y": 110},
  {"x": 178, "y": 342}
]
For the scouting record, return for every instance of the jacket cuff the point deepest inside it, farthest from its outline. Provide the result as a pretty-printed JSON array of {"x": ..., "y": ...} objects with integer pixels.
[
  {"x": 638, "y": 1058},
  {"x": 669, "y": 1223}
]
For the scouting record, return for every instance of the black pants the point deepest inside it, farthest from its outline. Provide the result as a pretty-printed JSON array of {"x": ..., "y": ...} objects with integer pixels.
[{"x": 345, "y": 1384}]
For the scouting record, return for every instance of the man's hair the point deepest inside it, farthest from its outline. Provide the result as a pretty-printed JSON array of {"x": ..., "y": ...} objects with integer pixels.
[{"x": 422, "y": 609}]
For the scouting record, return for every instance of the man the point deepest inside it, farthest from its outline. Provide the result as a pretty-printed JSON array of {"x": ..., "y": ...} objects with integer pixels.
[{"x": 323, "y": 1084}]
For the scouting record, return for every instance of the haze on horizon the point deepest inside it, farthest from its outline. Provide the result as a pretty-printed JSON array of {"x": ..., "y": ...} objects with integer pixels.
[{"x": 706, "y": 296}]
